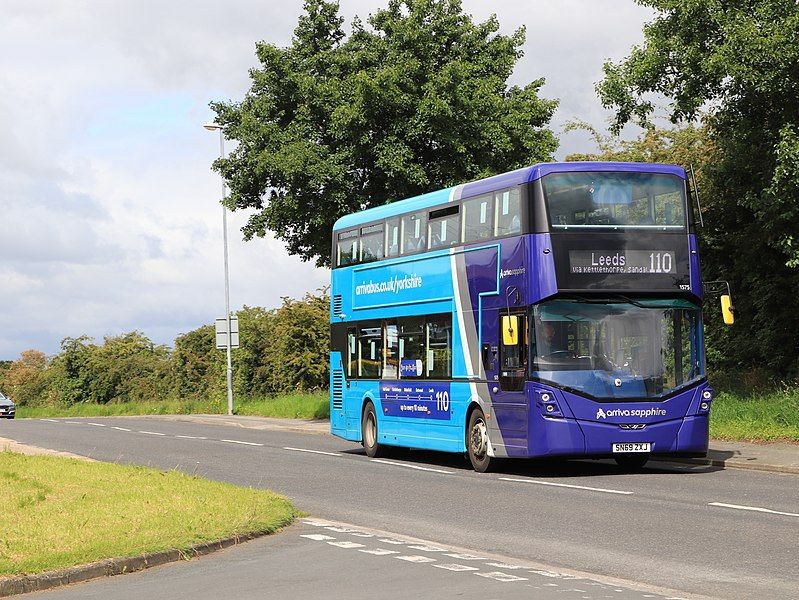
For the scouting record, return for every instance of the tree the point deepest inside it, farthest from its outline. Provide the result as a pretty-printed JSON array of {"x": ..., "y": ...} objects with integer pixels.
[
  {"x": 737, "y": 61},
  {"x": 414, "y": 101}
]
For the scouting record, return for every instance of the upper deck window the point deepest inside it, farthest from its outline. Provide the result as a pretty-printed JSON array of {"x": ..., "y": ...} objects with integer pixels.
[
  {"x": 347, "y": 248},
  {"x": 371, "y": 243},
  {"x": 414, "y": 229},
  {"x": 444, "y": 227},
  {"x": 610, "y": 200},
  {"x": 509, "y": 208},
  {"x": 478, "y": 218}
]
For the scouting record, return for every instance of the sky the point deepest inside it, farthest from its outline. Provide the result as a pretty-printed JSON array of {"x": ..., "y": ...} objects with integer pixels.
[{"x": 110, "y": 217}]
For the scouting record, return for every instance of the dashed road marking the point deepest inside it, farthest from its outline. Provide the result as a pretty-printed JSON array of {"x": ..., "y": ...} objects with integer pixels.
[
  {"x": 392, "y": 541},
  {"x": 51, "y": 420},
  {"x": 312, "y": 451},
  {"x": 379, "y": 552},
  {"x": 456, "y": 567},
  {"x": 119, "y": 428},
  {"x": 754, "y": 509},
  {"x": 500, "y": 576},
  {"x": 426, "y": 548},
  {"x": 407, "y": 466},
  {"x": 501, "y": 565},
  {"x": 152, "y": 433},
  {"x": 241, "y": 442},
  {"x": 415, "y": 558},
  {"x": 567, "y": 485},
  {"x": 546, "y": 573},
  {"x": 340, "y": 529},
  {"x": 461, "y": 556},
  {"x": 95, "y": 424},
  {"x": 346, "y": 544},
  {"x": 318, "y": 537},
  {"x": 191, "y": 437},
  {"x": 73, "y": 422}
]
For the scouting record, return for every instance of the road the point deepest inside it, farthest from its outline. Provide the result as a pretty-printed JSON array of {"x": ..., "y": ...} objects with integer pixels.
[{"x": 698, "y": 530}]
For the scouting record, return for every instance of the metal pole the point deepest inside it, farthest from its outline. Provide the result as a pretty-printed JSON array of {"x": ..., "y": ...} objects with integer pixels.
[{"x": 227, "y": 286}]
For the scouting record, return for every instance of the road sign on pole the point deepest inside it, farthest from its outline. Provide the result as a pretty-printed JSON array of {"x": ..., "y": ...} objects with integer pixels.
[{"x": 221, "y": 333}]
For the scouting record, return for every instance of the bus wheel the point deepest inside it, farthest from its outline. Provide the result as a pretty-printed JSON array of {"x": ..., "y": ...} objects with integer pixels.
[
  {"x": 477, "y": 441},
  {"x": 631, "y": 462},
  {"x": 369, "y": 432}
]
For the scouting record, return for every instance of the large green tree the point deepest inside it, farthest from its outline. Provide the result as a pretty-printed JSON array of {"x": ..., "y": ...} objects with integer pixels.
[
  {"x": 415, "y": 99},
  {"x": 738, "y": 64}
]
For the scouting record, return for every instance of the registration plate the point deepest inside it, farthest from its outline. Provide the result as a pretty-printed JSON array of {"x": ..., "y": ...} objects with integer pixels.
[{"x": 632, "y": 447}]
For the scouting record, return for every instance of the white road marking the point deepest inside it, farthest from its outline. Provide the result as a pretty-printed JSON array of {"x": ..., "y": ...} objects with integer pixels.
[
  {"x": 379, "y": 552},
  {"x": 152, "y": 433},
  {"x": 346, "y": 544},
  {"x": 119, "y": 428},
  {"x": 426, "y": 548},
  {"x": 567, "y": 485},
  {"x": 191, "y": 437},
  {"x": 455, "y": 567},
  {"x": 501, "y": 565},
  {"x": 51, "y": 420},
  {"x": 312, "y": 451},
  {"x": 95, "y": 424},
  {"x": 361, "y": 534},
  {"x": 318, "y": 537},
  {"x": 74, "y": 422},
  {"x": 313, "y": 522},
  {"x": 340, "y": 529},
  {"x": 416, "y": 558},
  {"x": 754, "y": 508},
  {"x": 546, "y": 573},
  {"x": 500, "y": 576},
  {"x": 417, "y": 467},
  {"x": 460, "y": 556},
  {"x": 392, "y": 541},
  {"x": 242, "y": 443}
]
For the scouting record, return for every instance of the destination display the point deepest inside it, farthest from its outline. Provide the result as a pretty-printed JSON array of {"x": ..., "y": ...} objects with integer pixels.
[{"x": 625, "y": 261}]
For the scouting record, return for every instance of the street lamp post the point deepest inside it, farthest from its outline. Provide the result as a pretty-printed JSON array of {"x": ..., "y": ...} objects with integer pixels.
[{"x": 211, "y": 126}]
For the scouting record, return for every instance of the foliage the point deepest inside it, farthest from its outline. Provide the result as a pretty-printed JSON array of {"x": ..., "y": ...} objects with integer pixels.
[
  {"x": 738, "y": 63},
  {"x": 25, "y": 380},
  {"x": 48, "y": 501},
  {"x": 414, "y": 100}
]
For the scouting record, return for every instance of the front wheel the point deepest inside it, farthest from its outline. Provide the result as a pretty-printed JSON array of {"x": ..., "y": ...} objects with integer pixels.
[
  {"x": 369, "y": 432},
  {"x": 631, "y": 462},
  {"x": 477, "y": 442}
]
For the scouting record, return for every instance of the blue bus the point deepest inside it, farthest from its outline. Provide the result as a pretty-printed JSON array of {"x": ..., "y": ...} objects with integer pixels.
[{"x": 552, "y": 311}]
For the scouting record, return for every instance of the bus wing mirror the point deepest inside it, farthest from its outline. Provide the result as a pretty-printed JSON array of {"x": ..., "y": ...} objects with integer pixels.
[
  {"x": 510, "y": 330},
  {"x": 727, "y": 310}
]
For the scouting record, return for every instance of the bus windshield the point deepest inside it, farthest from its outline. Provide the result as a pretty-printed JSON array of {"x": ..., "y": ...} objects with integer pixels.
[
  {"x": 615, "y": 199},
  {"x": 617, "y": 349}
]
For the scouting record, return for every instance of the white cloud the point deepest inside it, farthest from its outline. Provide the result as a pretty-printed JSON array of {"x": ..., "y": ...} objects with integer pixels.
[{"x": 110, "y": 212}]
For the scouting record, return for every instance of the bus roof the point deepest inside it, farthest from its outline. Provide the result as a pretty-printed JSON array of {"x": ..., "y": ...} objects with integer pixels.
[{"x": 495, "y": 183}]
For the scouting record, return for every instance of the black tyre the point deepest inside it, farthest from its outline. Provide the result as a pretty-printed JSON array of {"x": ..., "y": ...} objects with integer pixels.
[
  {"x": 631, "y": 462},
  {"x": 477, "y": 442},
  {"x": 369, "y": 432}
]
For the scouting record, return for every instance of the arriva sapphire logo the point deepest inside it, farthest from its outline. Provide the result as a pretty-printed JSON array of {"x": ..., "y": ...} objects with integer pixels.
[{"x": 636, "y": 412}]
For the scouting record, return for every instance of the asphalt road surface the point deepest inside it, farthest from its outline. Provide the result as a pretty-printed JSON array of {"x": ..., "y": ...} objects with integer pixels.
[{"x": 681, "y": 529}]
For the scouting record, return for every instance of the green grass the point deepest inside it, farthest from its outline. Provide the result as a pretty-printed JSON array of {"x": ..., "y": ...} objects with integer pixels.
[
  {"x": 293, "y": 406},
  {"x": 757, "y": 417},
  {"x": 59, "y": 512}
]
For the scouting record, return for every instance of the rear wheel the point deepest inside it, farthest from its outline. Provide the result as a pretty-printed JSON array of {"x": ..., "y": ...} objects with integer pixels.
[
  {"x": 369, "y": 432},
  {"x": 631, "y": 462},
  {"x": 477, "y": 442}
]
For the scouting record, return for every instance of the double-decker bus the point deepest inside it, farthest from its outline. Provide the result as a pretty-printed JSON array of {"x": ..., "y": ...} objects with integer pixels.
[{"x": 552, "y": 311}]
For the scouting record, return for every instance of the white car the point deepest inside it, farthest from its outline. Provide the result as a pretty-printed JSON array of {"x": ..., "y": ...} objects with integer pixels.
[{"x": 8, "y": 409}]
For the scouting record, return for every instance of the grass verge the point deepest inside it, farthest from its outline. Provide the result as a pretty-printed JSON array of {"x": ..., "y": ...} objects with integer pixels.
[
  {"x": 61, "y": 512},
  {"x": 758, "y": 417},
  {"x": 292, "y": 406}
]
